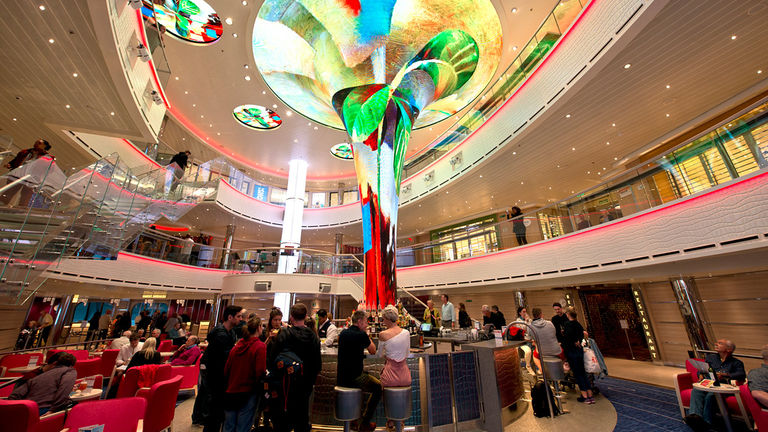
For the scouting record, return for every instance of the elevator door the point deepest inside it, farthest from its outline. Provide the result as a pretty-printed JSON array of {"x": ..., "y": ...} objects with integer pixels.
[{"x": 606, "y": 309}]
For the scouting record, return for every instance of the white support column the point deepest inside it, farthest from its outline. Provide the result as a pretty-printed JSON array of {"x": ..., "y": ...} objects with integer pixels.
[{"x": 292, "y": 218}]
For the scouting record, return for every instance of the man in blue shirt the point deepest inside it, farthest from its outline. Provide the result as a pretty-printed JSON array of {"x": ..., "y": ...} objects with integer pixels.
[
  {"x": 726, "y": 367},
  {"x": 447, "y": 312}
]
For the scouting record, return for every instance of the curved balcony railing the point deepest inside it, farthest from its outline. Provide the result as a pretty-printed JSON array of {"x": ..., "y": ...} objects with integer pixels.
[
  {"x": 736, "y": 148},
  {"x": 552, "y": 29}
]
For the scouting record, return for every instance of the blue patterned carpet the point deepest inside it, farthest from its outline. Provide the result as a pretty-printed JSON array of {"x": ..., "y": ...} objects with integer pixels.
[{"x": 642, "y": 407}]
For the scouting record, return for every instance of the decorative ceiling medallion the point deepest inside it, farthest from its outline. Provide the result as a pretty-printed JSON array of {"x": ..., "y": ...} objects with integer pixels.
[
  {"x": 342, "y": 151},
  {"x": 189, "y": 20},
  {"x": 308, "y": 50},
  {"x": 257, "y": 117}
]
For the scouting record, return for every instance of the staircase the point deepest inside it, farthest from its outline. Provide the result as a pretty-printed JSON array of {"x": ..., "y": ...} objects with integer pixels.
[{"x": 46, "y": 216}]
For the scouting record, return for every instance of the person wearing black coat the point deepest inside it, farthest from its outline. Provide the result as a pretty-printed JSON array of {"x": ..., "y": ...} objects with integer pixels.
[{"x": 572, "y": 335}]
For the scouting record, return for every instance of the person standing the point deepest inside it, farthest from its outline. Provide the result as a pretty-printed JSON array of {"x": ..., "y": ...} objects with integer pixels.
[
  {"x": 464, "y": 320},
  {"x": 296, "y": 340},
  {"x": 572, "y": 336},
  {"x": 246, "y": 365},
  {"x": 180, "y": 159},
  {"x": 559, "y": 320},
  {"x": 518, "y": 225},
  {"x": 39, "y": 149},
  {"x": 220, "y": 340},
  {"x": 447, "y": 312},
  {"x": 349, "y": 373},
  {"x": 46, "y": 323},
  {"x": 326, "y": 329},
  {"x": 431, "y": 315},
  {"x": 104, "y": 321},
  {"x": 93, "y": 326}
]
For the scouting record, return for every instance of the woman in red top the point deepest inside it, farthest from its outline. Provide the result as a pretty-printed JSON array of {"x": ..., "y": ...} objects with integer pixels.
[{"x": 246, "y": 365}]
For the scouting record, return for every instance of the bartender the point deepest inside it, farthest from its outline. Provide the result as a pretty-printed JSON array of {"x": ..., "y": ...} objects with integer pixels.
[{"x": 325, "y": 328}]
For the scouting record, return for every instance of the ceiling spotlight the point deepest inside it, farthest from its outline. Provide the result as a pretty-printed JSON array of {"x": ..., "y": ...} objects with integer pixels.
[
  {"x": 202, "y": 116},
  {"x": 194, "y": 105},
  {"x": 74, "y": 74},
  {"x": 234, "y": 35},
  {"x": 112, "y": 113},
  {"x": 567, "y": 116},
  {"x": 615, "y": 158},
  {"x": 186, "y": 92},
  {"x": 228, "y": 20},
  {"x": 667, "y": 115},
  {"x": 177, "y": 78},
  {"x": 733, "y": 37},
  {"x": 14, "y": 119},
  {"x": 274, "y": 105},
  {"x": 573, "y": 148},
  {"x": 613, "y": 124},
  {"x": 607, "y": 143},
  {"x": 514, "y": 10},
  {"x": 247, "y": 77},
  {"x": 245, "y": 66},
  {"x": 245, "y": 3},
  {"x": 668, "y": 86},
  {"x": 218, "y": 133},
  {"x": 759, "y": 71},
  {"x": 67, "y": 106},
  {"x": 263, "y": 92},
  {"x": 41, "y": 7},
  {"x": 51, "y": 41},
  {"x": 315, "y": 128},
  {"x": 627, "y": 66},
  {"x": 514, "y": 48},
  {"x": 288, "y": 113}
]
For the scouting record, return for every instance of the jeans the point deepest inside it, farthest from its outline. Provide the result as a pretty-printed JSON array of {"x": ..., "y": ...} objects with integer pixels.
[
  {"x": 371, "y": 385},
  {"x": 241, "y": 420},
  {"x": 575, "y": 358},
  {"x": 703, "y": 404}
]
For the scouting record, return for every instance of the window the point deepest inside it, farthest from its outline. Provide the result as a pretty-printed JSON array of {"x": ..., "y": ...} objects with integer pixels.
[{"x": 277, "y": 196}]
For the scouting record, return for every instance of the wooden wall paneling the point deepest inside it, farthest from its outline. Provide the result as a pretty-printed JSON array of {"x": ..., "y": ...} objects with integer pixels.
[
  {"x": 11, "y": 320},
  {"x": 673, "y": 342}
]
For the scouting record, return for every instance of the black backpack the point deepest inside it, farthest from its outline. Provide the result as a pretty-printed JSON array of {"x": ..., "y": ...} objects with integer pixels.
[{"x": 539, "y": 400}]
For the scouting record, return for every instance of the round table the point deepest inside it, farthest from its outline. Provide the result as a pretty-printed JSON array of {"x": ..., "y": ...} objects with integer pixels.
[
  {"x": 23, "y": 369},
  {"x": 719, "y": 391},
  {"x": 85, "y": 395}
]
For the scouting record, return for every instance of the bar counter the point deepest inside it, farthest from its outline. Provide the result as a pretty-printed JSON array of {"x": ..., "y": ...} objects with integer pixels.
[{"x": 469, "y": 388}]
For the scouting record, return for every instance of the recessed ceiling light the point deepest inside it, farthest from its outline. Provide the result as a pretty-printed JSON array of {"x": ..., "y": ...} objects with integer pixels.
[
  {"x": 668, "y": 86},
  {"x": 759, "y": 71},
  {"x": 177, "y": 78},
  {"x": 51, "y": 41},
  {"x": 245, "y": 66},
  {"x": 627, "y": 66},
  {"x": 210, "y": 125},
  {"x": 615, "y": 158},
  {"x": 733, "y": 37},
  {"x": 245, "y": 3},
  {"x": 613, "y": 124},
  {"x": 573, "y": 148},
  {"x": 567, "y": 116},
  {"x": 667, "y": 115},
  {"x": 247, "y": 77},
  {"x": 234, "y": 35},
  {"x": 67, "y": 105},
  {"x": 183, "y": 139},
  {"x": 514, "y": 10},
  {"x": 315, "y": 128},
  {"x": 112, "y": 113},
  {"x": 194, "y": 105},
  {"x": 309, "y": 124},
  {"x": 74, "y": 74},
  {"x": 514, "y": 48},
  {"x": 186, "y": 92},
  {"x": 274, "y": 105},
  {"x": 607, "y": 143},
  {"x": 589, "y": 172},
  {"x": 202, "y": 116},
  {"x": 228, "y": 20},
  {"x": 295, "y": 140},
  {"x": 218, "y": 133},
  {"x": 41, "y": 7},
  {"x": 522, "y": 183},
  {"x": 14, "y": 119},
  {"x": 288, "y": 113}
]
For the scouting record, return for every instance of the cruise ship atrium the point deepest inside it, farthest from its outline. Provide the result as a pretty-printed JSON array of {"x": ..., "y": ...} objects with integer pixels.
[{"x": 419, "y": 215}]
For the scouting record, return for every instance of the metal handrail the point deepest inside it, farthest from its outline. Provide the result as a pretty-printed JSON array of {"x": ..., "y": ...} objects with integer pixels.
[{"x": 44, "y": 349}]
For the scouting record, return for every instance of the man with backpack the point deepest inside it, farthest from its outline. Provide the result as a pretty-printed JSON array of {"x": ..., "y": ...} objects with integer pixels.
[{"x": 294, "y": 362}]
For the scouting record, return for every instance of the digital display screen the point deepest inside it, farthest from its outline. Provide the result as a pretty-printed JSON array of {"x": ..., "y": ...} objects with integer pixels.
[{"x": 189, "y": 20}]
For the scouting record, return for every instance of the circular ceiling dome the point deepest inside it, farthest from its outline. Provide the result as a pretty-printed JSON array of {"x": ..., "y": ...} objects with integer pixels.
[
  {"x": 307, "y": 50},
  {"x": 189, "y": 20},
  {"x": 257, "y": 117},
  {"x": 342, "y": 151}
]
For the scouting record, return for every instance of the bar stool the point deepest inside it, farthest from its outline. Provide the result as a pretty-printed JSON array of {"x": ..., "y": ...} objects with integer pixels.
[
  {"x": 397, "y": 405},
  {"x": 553, "y": 367},
  {"x": 348, "y": 405}
]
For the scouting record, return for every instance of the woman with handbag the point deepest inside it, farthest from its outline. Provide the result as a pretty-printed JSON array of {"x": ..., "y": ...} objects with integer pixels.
[{"x": 573, "y": 334}]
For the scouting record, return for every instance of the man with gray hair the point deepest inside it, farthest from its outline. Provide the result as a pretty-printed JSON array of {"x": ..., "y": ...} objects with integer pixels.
[
  {"x": 352, "y": 342},
  {"x": 757, "y": 379},
  {"x": 187, "y": 354},
  {"x": 121, "y": 341},
  {"x": 726, "y": 368}
]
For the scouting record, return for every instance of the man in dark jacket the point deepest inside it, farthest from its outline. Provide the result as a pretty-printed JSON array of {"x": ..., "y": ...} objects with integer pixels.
[
  {"x": 559, "y": 320},
  {"x": 304, "y": 343},
  {"x": 220, "y": 341},
  {"x": 181, "y": 159},
  {"x": 49, "y": 385}
]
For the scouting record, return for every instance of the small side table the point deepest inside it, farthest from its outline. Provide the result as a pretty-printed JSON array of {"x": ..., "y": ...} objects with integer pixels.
[{"x": 721, "y": 392}]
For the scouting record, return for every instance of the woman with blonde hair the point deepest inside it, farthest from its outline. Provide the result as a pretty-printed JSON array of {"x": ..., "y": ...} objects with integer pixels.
[
  {"x": 147, "y": 355},
  {"x": 394, "y": 346}
]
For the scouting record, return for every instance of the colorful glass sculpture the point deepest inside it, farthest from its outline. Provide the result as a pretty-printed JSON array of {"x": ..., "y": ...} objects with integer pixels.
[
  {"x": 379, "y": 68},
  {"x": 342, "y": 151},
  {"x": 191, "y": 21},
  {"x": 257, "y": 117}
]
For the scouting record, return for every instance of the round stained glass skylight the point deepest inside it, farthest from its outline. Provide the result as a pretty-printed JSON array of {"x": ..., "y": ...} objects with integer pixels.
[
  {"x": 308, "y": 50},
  {"x": 342, "y": 151},
  {"x": 189, "y": 20},
  {"x": 257, "y": 117}
]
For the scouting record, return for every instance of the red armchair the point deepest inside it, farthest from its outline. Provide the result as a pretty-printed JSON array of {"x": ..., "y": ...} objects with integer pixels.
[
  {"x": 108, "y": 360},
  {"x": 22, "y": 416},
  {"x": 165, "y": 346},
  {"x": 190, "y": 375},
  {"x": 88, "y": 367},
  {"x": 161, "y": 404},
  {"x": 684, "y": 386},
  {"x": 117, "y": 415},
  {"x": 11, "y": 361},
  {"x": 759, "y": 414}
]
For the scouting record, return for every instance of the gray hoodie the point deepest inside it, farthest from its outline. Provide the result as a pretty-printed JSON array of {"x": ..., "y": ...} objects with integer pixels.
[{"x": 547, "y": 335}]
